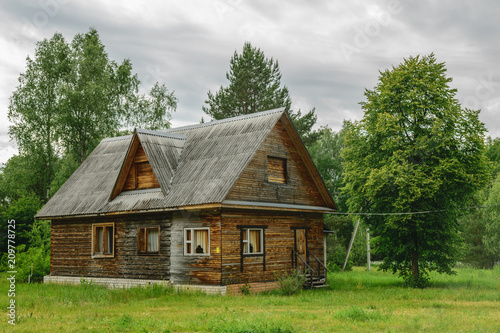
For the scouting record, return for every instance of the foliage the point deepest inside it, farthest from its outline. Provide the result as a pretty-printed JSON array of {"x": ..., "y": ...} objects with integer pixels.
[
  {"x": 100, "y": 96},
  {"x": 338, "y": 243},
  {"x": 255, "y": 85},
  {"x": 37, "y": 255},
  {"x": 325, "y": 152},
  {"x": 304, "y": 124},
  {"x": 34, "y": 109},
  {"x": 246, "y": 289},
  {"x": 18, "y": 179},
  {"x": 493, "y": 153},
  {"x": 491, "y": 236},
  {"x": 414, "y": 150},
  {"x": 290, "y": 282},
  {"x": 22, "y": 211},
  {"x": 69, "y": 98}
]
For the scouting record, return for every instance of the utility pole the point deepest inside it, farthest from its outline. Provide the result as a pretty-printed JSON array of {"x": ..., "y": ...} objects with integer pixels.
[
  {"x": 368, "y": 248},
  {"x": 350, "y": 244}
]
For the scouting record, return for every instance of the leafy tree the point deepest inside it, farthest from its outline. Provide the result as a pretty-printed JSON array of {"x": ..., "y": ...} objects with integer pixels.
[
  {"x": 255, "y": 85},
  {"x": 491, "y": 236},
  {"x": 473, "y": 227},
  {"x": 493, "y": 153},
  {"x": 22, "y": 211},
  {"x": 415, "y": 150},
  {"x": 34, "y": 109},
  {"x": 100, "y": 96},
  {"x": 70, "y": 97},
  {"x": 325, "y": 152}
]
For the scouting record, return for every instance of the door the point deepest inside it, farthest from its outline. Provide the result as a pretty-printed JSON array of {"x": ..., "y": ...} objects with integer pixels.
[{"x": 301, "y": 246}]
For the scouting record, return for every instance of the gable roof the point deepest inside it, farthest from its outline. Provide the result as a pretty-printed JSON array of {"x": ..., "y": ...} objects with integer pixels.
[{"x": 194, "y": 165}]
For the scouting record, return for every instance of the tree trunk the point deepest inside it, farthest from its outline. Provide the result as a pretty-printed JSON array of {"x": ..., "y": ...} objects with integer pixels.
[{"x": 414, "y": 263}]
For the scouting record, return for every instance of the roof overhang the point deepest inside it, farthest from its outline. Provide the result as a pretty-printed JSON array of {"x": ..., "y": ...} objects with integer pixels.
[{"x": 275, "y": 206}]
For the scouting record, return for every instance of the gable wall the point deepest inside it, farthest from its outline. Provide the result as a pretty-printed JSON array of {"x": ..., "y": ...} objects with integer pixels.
[
  {"x": 254, "y": 186},
  {"x": 140, "y": 173},
  {"x": 71, "y": 251}
]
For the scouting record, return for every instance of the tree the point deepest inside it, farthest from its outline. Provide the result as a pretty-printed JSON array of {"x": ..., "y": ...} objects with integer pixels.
[
  {"x": 415, "y": 150},
  {"x": 473, "y": 227},
  {"x": 493, "y": 153},
  {"x": 325, "y": 153},
  {"x": 491, "y": 236},
  {"x": 70, "y": 97},
  {"x": 255, "y": 85},
  {"x": 34, "y": 109},
  {"x": 101, "y": 96}
]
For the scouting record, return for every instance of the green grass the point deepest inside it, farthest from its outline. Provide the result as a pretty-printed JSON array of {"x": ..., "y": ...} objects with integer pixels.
[{"x": 358, "y": 301}]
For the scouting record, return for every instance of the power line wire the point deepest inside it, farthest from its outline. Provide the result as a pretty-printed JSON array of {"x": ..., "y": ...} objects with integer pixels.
[{"x": 422, "y": 212}]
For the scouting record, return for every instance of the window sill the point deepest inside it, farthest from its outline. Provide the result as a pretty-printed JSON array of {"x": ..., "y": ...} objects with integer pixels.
[
  {"x": 253, "y": 254},
  {"x": 197, "y": 255},
  {"x": 148, "y": 253},
  {"x": 99, "y": 256}
]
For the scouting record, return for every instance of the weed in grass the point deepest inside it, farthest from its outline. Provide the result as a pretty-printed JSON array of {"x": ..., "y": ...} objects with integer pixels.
[
  {"x": 356, "y": 313},
  {"x": 246, "y": 289},
  {"x": 290, "y": 282}
]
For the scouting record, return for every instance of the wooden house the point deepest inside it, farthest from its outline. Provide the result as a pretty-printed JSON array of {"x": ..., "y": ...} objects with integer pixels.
[{"x": 219, "y": 203}]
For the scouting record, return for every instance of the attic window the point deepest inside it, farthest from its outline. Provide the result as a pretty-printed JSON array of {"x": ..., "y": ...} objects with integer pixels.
[{"x": 276, "y": 170}]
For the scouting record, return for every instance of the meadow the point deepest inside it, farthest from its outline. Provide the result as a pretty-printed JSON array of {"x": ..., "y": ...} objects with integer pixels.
[{"x": 357, "y": 301}]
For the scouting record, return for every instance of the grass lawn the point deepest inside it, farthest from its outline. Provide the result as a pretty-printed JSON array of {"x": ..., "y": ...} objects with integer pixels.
[{"x": 358, "y": 301}]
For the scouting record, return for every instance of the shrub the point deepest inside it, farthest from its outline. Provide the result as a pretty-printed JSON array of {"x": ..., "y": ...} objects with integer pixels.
[
  {"x": 246, "y": 289},
  {"x": 290, "y": 281}
]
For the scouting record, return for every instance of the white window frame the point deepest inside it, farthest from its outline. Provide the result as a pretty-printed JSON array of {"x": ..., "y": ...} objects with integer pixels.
[
  {"x": 94, "y": 235},
  {"x": 245, "y": 242},
  {"x": 193, "y": 244}
]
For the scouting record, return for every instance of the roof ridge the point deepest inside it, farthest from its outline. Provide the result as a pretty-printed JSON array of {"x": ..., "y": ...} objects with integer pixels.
[
  {"x": 161, "y": 134},
  {"x": 228, "y": 120}
]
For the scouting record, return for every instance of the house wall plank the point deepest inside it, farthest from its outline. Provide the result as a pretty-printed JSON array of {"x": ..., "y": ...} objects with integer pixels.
[
  {"x": 196, "y": 269},
  {"x": 254, "y": 185},
  {"x": 279, "y": 242},
  {"x": 71, "y": 249}
]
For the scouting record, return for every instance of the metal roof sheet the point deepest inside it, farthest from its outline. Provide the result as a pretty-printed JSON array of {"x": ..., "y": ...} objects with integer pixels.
[{"x": 194, "y": 165}]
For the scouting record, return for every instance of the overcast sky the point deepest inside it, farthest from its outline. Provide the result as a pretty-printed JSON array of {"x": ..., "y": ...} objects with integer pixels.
[{"x": 328, "y": 51}]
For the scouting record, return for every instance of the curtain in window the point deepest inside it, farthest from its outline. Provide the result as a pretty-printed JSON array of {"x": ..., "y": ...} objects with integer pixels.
[
  {"x": 152, "y": 240},
  {"x": 201, "y": 238},
  {"x": 100, "y": 240},
  {"x": 109, "y": 240},
  {"x": 254, "y": 241}
]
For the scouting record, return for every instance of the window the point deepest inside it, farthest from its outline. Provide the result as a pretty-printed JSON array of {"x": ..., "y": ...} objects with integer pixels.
[
  {"x": 276, "y": 170},
  {"x": 149, "y": 240},
  {"x": 253, "y": 241},
  {"x": 197, "y": 241},
  {"x": 103, "y": 240}
]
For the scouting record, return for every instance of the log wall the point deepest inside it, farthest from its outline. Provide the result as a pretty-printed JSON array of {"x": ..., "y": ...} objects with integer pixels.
[
  {"x": 71, "y": 248},
  {"x": 196, "y": 269},
  {"x": 279, "y": 242},
  {"x": 254, "y": 185}
]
